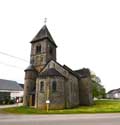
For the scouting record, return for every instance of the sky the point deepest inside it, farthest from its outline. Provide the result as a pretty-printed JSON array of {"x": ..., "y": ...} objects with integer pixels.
[{"x": 87, "y": 33}]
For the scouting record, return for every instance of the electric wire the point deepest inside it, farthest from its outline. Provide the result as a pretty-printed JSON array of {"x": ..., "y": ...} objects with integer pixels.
[
  {"x": 9, "y": 65},
  {"x": 6, "y": 54},
  {"x": 15, "y": 57}
]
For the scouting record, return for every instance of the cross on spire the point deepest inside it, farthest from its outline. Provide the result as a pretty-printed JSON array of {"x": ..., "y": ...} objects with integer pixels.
[{"x": 45, "y": 20}]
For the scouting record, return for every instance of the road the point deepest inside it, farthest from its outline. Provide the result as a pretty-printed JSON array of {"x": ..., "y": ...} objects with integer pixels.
[{"x": 80, "y": 119}]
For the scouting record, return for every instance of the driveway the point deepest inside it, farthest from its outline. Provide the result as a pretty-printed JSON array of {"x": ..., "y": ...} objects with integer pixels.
[{"x": 13, "y": 105}]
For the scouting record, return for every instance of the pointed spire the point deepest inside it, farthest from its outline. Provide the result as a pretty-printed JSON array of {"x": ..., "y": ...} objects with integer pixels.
[{"x": 43, "y": 34}]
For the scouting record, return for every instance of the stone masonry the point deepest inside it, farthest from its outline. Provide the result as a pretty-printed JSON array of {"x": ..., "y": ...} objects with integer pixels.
[{"x": 47, "y": 80}]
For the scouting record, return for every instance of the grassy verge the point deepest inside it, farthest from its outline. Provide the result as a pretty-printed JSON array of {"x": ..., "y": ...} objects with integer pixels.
[{"x": 100, "y": 106}]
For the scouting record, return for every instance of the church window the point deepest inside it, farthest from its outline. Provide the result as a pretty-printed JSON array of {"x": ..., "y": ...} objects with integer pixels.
[
  {"x": 41, "y": 86},
  {"x": 54, "y": 86},
  {"x": 51, "y": 50},
  {"x": 38, "y": 49}
]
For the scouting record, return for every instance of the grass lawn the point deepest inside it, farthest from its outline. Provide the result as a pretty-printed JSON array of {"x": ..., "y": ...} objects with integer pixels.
[{"x": 100, "y": 106}]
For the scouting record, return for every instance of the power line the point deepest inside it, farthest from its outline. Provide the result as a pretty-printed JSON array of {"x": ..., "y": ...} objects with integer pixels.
[
  {"x": 6, "y": 54},
  {"x": 9, "y": 65}
]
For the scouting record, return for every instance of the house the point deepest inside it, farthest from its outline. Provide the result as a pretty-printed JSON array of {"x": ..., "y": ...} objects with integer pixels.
[
  {"x": 22, "y": 85},
  {"x": 114, "y": 94},
  {"x": 47, "y": 81},
  {"x": 10, "y": 88}
]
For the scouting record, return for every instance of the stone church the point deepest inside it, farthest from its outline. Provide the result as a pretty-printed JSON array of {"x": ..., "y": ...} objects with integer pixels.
[{"x": 47, "y": 81}]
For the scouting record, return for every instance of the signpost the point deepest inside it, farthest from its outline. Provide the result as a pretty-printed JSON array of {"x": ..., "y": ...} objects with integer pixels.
[
  {"x": 47, "y": 99},
  {"x": 47, "y": 102}
]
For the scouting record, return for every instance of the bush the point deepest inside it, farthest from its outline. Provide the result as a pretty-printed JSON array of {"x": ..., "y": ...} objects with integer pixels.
[
  {"x": 7, "y": 101},
  {"x": 12, "y": 101}
]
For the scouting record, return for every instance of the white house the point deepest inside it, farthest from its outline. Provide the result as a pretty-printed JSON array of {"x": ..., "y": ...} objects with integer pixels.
[
  {"x": 114, "y": 94},
  {"x": 11, "y": 87}
]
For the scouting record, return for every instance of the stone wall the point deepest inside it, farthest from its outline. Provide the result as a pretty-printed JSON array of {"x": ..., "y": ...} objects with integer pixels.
[
  {"x": 40, "y": 97},
  {"x": 85, "y": 89},
  {"x": 48, "y": 52},
  {"x": 72, "y": 92},
  {"x": 38, "y": 59},
  {"x": 34, "y": 45},
  {"x": 71, "y": 85},
  {"x": 57, "y": 99},
  {"x": 29, "y": 85}
]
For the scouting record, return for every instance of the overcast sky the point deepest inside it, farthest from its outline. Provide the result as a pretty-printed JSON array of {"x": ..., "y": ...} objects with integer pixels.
[{"x": 87, "y": 33}]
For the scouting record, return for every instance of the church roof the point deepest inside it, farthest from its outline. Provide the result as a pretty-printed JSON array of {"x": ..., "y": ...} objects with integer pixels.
[
  {"x": 42, "y": 34},
  {"x": 83, "y": 72},
  {"x": 65, "y": 67},
  {"x": 71, "y": 71},
  {"x": 51, "y": 72},
  {"x": 30, "y": 68}
]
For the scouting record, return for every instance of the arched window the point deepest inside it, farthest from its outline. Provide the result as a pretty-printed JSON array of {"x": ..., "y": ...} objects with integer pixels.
[
  {"x": 54, "y": 86},
  {"x": 38, "y": 49},
  {"x": 51, "y": 50},
  {"x": 41, "y": 86}
]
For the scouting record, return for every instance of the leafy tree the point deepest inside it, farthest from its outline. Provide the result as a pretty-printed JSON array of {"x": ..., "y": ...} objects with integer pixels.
[{"x": 98, "y": 89}]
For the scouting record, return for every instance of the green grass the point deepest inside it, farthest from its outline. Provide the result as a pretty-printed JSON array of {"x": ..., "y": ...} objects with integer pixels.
[{"x": 100, "y": 106}]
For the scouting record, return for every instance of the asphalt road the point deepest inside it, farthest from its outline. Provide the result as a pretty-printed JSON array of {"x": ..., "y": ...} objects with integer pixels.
[{"x": 82, "y": 119}]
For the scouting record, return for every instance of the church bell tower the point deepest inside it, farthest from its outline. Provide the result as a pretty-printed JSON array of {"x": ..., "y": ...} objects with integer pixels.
[{"x": 43, "y": 49}]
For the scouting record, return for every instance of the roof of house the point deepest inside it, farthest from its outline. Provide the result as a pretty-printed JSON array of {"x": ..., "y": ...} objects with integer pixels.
[
  {"x": 10, "y": 85},
  {"x": 42, "y": 34},
  {"x": 22, "y": 85},
  {"x": 114, "y": 91}
]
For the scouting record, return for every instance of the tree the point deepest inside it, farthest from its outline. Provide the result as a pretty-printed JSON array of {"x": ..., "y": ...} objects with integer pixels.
[{"x": 98, "y": 89}]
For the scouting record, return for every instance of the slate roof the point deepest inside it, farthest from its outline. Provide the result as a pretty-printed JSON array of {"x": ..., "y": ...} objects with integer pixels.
[
  {"x": 30, "y": 68},
  {"x": 83, "y": 72},
  {"x": 50, "y": 72},
  {"x": 71, "y": 71},
  {"x": 114, "y": 91},
  {"x": 22, "y": 85},
  {"x": 65, "y": 67},
  {"x": 10, "y": 85},
  {"x": 42, "y": 34}
]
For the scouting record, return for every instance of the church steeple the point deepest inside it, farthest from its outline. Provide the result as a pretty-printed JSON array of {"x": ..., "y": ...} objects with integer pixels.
[
  {"x": 43, "y": 48},
  {"x": 43, "y": 34}
]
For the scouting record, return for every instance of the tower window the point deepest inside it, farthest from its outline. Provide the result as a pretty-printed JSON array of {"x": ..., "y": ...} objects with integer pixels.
[
  {"x": 54, "y": 86},
  {"x": 41, "y": 86},
  {"x": 38, "y": 49},
  {"x": 51, "y": 50}
]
